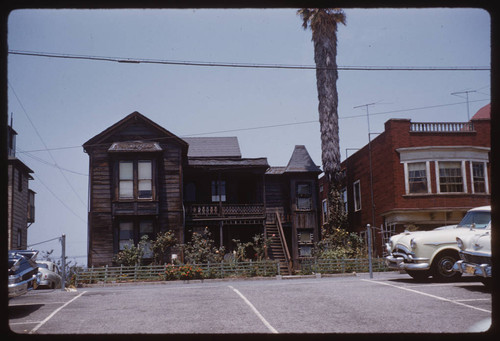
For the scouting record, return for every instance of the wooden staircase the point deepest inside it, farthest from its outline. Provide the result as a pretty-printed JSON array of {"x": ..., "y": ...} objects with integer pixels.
[{"x": 278, "y": 249}]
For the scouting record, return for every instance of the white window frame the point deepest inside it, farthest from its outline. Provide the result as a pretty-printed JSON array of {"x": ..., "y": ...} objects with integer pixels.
[
  {"x": 485, "y": 169},
  {"x": 438, "y": 183},
  {"x": 407, "y": 177},
  {"x": 357, "y": 206}
]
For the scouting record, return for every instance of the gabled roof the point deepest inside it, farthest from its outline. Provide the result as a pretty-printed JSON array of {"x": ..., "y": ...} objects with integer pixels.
[
  {"x": 301, "y": 161},
  {"x": 213, "y": 147},
  {"x": 123, "y": 123}
]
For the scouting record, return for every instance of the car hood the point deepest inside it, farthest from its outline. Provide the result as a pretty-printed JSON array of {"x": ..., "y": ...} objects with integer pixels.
[
  {"x": 437, "y": 237},
  {"x": 480, "y": 242}
]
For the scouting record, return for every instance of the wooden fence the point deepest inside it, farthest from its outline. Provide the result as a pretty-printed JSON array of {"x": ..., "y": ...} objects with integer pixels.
[
  {"x": 109, "y": 274},
  {"x": 118, "y": 274},
  {"x": 325, "y": 266}
]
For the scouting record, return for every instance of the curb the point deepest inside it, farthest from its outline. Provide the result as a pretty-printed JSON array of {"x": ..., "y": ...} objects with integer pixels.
[{"x": 216, "y": 280}]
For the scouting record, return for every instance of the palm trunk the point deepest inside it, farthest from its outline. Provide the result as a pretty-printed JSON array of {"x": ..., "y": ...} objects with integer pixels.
[{"x": 325, "y": 51}]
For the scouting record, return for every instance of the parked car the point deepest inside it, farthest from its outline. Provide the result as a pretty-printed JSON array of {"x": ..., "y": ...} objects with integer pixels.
[
  {"x": 23, "y": 272},
  {"x": 475, "y": 254},
  {"x": 433, "y": 253},
  {"x": 50, "y": 276}
]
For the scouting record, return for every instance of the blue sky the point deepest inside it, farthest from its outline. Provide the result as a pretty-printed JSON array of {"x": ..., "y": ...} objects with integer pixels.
[{"x": 58, "y": 104}]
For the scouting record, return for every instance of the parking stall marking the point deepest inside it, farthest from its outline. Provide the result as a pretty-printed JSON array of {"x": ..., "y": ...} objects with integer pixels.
[
  {"x": 259, "y": 315},
  {"x": 429, "y": 295},
  {"x": 55, "y": 312}
]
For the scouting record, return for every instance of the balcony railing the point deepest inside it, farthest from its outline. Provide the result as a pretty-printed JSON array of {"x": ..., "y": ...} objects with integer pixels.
[
  {"x": 442, "y": 127},
  {"x": 200, "y": 211}
]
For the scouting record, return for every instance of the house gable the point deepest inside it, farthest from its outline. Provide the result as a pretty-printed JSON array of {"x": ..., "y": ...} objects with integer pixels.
[{"x": 135, "y": 127}]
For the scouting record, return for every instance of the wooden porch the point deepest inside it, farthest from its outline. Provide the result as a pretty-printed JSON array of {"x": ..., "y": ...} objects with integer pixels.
[{"x": 218, "y": 211}]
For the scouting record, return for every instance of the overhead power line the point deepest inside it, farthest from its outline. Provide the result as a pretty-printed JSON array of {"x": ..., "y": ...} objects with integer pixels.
[
  {"x": 274, "y": 125},
  {"x": 245, "y": 65}
]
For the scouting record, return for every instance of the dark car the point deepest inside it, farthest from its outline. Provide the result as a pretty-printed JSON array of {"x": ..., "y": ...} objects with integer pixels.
[{"x": 23, "y": 272}]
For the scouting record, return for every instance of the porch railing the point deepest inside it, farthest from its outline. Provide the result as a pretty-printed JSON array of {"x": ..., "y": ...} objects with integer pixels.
[
  {"x": 225, "y": 210},
  {"x": 441, "y": 127}
]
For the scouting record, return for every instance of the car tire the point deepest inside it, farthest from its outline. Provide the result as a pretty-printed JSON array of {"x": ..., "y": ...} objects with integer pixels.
[
  {"x": 442, "y": 267},
  {"x": 419, "y": 275}
]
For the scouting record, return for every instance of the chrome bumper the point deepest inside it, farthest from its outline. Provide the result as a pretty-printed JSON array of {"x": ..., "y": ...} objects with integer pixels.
[
  {"x": 398, "y": 263},
  {"x": 20, "y": 288},
  {"x": 482, "y": 270}
]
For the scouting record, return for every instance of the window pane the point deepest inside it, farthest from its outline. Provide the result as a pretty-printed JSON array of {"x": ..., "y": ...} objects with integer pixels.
[
  {"x": 357, "y": 196},
  {"x": 126, "y": 189},
  {"x": 145, "y": 189},
  {"x": 417, "y": 177},
  {"x": 146, "y": 227},
  {"x": 303, "y": 189},
  {"x": 304, "y": 203},
  {"x": 126, "y": 234},
  {"x": 450, "y": 177},
  {"x": 144, "y": 170},
  {"x": 126, "y": 170}
]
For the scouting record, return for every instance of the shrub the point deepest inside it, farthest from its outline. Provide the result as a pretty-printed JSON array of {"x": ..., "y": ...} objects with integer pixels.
[{"x": 187, "y": 272}]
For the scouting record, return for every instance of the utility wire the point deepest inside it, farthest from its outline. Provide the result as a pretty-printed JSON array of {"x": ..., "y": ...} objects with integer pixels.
[
  {"x": 276, "y": 125},
  {"x": 45, "y": 241},
  {"x": 246, "y": 65},
  {"x": 46, "y": 148}
]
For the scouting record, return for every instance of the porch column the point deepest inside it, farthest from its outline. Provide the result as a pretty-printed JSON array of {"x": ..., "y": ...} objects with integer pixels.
[{"x": 221, "y": 237}]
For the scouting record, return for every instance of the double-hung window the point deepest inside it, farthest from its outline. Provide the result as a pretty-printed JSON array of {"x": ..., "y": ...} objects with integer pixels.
[
  {"x": 479, "y": 183},
  {"x": 304, "y": 196},
  {"x": 218, "y": 190},
  {"x": 357, "y": 195},
  {"x": 135, "y": 179},
  {"x": 417, "y": 178},
  {"x": 451, "y": 177}
]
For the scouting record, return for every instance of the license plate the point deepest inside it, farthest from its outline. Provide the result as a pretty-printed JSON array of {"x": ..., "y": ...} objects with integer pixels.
[{"x": 470, "y": 269}]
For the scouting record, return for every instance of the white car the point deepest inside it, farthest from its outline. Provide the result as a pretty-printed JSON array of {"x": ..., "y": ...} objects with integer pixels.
[
  {"x": 475, "y": 254},
  {"x": 49, "y": 275},
  {"x": 433, "y": 253}
]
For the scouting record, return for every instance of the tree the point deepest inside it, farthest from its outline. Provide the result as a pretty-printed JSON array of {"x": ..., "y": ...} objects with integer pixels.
[{"x": 323, "y": 23}]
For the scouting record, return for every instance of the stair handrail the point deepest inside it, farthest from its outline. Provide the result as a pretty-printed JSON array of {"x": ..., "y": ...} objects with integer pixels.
[{"x": 283, "y": 242}]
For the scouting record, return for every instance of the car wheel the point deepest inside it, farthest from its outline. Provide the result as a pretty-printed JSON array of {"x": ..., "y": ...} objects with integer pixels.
[
  {"x": 442, "y": 267},
  {"x": 52, "y": 285},
  {"x": 418, "y": 275}
]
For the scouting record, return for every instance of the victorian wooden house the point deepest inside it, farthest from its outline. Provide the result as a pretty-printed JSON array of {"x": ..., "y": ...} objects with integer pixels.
[
  {"x": 144, "y": 179},
  {"x": 20, "y": 198}
]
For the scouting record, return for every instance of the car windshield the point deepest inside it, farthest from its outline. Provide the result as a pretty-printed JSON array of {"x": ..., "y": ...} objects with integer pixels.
[{"x": 480, "y": 219}]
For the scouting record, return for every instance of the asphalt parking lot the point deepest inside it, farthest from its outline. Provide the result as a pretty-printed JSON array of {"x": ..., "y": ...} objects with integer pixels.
[{"x": 387, "y": 303}]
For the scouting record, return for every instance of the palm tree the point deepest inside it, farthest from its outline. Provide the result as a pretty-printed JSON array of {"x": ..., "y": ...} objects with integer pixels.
[{"x": 323, "y": 23}]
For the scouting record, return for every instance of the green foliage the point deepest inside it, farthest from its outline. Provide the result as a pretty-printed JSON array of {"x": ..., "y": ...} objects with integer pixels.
[
  {"x": 340, "y": 244},
  {"x": 337, "y": 218},
  {"x": 161, "y": 246},
  {"x": 252, "y": 250},
  {"x": 133, "y": 254},
  {"x": 184, "y": 272},
  {"x": 201, "y": 249}
]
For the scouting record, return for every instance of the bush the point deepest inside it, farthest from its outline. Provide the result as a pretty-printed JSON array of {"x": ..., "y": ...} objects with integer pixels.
[
  {"x": 201, "y": 249},
  {"x": 340, "y": 244},
  {"x": 184, "y": 272}
]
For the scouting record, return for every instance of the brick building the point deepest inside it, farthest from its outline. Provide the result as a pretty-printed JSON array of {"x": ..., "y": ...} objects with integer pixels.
[{"x": 423, "y": 175}]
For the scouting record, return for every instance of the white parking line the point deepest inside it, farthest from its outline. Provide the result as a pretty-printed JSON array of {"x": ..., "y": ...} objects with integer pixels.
[
  {"x": 259, "y": 315},
  {"x": 429, "y": 295},
  {"x": 54, "y": 312}
]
